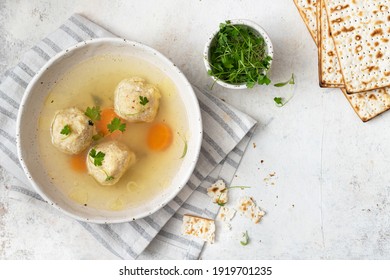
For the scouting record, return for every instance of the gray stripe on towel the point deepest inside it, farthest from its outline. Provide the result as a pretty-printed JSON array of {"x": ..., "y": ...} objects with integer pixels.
[
  {"x": 71, "y": 33},
  {"x": 82, "y": 27},
  {"x": 152, "y": 223},
  {"x": 44, "y": 55},
  {"x": 6, "y": 135},
  {"x": 27, "y": 192},
  {"x": 226, "y": 109},
  {"x": 99, "y": 239},
  {"x": 208, "y": 156},
  {"x": 220, "y": 121},
  {"x": 192, "y": 208},
  {"x": 7, "y": 113},
  {"x": 119, "y": 240},
  {"x": 52, "y": 45},
  {"x": 9, "y": 100},
  {"x": 21, "y": 82},
  {"x": 214, "y": 145},
  {"x": 141, "y": 231},
  {"x": 26, "y": 69}
]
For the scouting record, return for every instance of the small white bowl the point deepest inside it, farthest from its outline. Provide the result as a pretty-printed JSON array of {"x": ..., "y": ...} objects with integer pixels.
[
  {"x": 257, "y": 28},
  {"x": 35, "y": 96}
]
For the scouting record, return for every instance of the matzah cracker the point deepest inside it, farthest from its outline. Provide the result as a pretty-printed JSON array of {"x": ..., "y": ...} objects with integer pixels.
[
  {"x": 370, "y": 104},
  {"x": 365, "y": 107},
  {"x": 307, "y": 10},
  {"x": 328, "y": 64},
  {"x": 248, "y": 208},
  {"x": 361, "y": 33},
  {"x": 218, "y": 192},
  {"x": 199, "y": 227}
]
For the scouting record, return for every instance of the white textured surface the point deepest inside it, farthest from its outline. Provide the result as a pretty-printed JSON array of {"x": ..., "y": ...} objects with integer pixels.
[{"x": 330, "y": 194}]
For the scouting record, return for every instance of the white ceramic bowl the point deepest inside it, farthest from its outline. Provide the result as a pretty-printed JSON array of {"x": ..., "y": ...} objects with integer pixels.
[
  {"x": 257, "y": 28},
  {"x": 34, "y": 98}
]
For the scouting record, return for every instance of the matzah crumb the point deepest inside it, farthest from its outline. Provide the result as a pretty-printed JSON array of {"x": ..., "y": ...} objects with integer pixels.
[
  {"x": 225, "y": 215},
  {"x": 199, "y": 227},
  {"x": 218, "y": 192},
  {"x": 247, "y": 207}
]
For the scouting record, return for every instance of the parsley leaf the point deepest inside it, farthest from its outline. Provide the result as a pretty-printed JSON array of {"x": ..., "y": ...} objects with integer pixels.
[
  {"x": 66, "y": 130},
  {"x": 245, "y": 237},
  {"x": 98, "y": 157},
  {"x": 278, "y": 101},
  {"x": 116, "y": 125},
  {"x": 290, "y": 82},
  {"x": 143, "y": 100},
  {"x": 93, "y": 113}
]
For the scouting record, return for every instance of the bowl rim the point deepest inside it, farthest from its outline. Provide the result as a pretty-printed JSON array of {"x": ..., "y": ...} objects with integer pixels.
[
  {"x": 248, "y": 23},
  {"x": 198, "y": 136}
]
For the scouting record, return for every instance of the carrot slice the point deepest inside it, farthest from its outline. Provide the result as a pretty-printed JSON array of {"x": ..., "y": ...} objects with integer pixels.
[
  {"x": 106, "y": 116},
  {"x": 159, "y": 137},
  {"x": 78, "y": 163}
]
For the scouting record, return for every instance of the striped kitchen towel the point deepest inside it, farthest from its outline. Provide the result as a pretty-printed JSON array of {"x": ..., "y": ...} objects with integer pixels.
[{"x": 227, "y": 133}]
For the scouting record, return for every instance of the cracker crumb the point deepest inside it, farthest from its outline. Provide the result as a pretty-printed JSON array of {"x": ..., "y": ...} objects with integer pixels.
[
  {"x": 225, "y": 215},
  {"x": 247, "y": 207},
  {"x": 218, "y": 192}
]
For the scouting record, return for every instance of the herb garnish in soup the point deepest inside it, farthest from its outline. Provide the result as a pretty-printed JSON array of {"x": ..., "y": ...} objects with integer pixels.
[{"x": 111, "y": 132}]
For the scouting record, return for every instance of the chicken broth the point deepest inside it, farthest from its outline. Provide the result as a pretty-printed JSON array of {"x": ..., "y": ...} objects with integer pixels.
[{"x": 92, "y": 83}]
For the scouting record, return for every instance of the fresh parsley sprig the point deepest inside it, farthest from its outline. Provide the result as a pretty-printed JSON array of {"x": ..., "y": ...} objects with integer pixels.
[
  {"x": 143, "y": 100},
  {"x": 93, "y": 113},
  {"x": 98, "y": 157},
  {"x": 238, "y": 56},
  {"x": 66, "y": 130},
  {"x": 116, "y": 124}
]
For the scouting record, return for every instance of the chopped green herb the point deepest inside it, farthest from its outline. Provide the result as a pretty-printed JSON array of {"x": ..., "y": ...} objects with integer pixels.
[
  {"x": 278, "y": 101},
  {"x": 109, "y": 178},
  {"x": 143, "y": 100},
  {"x": 93, "y": 113},
  {"x": 66, "y": 130},
  {"x": 238, "y": 56},
  {"x": 219, "y": 202},
  {"x": 116, "y": 124},
  {"x": 245, "y": 237},
  {"x": 290, "y": 82},
  {"x": 98, "y": 157}
]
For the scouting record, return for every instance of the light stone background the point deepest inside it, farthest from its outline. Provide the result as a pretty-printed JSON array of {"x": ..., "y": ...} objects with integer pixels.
[{"x": 330, "y": 196}]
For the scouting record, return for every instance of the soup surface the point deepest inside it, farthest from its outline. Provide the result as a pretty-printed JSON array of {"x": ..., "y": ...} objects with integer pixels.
[{"x": 92, "y": 83}]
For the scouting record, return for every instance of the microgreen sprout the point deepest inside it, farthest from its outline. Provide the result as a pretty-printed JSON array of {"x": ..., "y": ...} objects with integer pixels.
[
  {"x": 238, "y": 56},
  {"x": 245, "y": 238}
]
